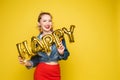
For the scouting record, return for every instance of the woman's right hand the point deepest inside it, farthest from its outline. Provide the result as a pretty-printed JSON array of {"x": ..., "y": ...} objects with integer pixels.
[{"x": 25, "y": 63}]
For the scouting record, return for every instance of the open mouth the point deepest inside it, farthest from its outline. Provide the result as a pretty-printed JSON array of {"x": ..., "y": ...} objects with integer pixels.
[{"x": 47, "y": 26}]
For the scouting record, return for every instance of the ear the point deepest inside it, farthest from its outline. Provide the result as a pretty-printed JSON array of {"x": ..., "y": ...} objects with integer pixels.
[{"x": 39, "y": 24}]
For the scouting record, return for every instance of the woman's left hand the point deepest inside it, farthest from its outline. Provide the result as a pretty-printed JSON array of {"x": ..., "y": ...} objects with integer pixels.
[{"x": 61, "y": 48}]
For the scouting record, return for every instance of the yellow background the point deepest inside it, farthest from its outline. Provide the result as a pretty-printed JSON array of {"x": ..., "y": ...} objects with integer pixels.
[{"x": 95, "y": 55}]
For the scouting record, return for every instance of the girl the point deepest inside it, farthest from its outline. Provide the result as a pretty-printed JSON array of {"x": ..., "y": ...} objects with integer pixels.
[{"x": 47, "y": 66}]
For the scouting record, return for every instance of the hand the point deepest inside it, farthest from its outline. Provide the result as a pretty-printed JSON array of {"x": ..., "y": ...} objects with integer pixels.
[
  {"x": 61, "y": 48},
  {"x": 24, "y": 62}
]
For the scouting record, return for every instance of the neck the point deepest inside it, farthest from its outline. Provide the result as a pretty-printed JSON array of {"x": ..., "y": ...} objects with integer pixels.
[{"x": 45, "y": 33}]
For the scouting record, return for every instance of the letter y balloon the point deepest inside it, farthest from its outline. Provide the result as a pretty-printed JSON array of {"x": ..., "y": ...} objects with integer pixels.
[{"x": 69, "y": 33}]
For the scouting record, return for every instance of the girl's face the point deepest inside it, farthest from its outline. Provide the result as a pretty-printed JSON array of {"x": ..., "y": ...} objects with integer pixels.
[{"x": 45, "y": 23}]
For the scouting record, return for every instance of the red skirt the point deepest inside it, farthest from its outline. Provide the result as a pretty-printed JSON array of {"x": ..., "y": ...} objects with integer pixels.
[{"x": 47, "y": 72}]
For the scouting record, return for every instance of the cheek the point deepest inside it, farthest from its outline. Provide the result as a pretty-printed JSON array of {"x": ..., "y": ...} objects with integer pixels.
[
  {"x": 42, "y": 23},
  {"x": 51, "y": 23}
]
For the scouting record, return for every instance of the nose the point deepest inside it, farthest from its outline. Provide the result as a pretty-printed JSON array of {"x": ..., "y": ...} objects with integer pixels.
[{"x": 48, "y": 23}]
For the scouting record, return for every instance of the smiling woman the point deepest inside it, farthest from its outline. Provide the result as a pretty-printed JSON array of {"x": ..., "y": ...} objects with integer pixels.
[{"x": 47, "y": 65}]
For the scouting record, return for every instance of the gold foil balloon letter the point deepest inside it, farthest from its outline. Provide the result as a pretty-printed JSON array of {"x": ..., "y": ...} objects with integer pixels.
[
  {"x": 47, "y": 40},
  {"x": 24, "y": 52},
  {"x": 37, "y": 45},
  {"x": 58, "y": 36},
  {"x": 69, "y": 33}
]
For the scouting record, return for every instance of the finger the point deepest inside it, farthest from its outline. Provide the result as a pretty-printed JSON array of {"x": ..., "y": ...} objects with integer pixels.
[
  {"x": 19, "y": 57},
  {"x": 62, "y": 48},
  {"x": 59, "y": 46},
  {"x": 21, "y": 62},
  {"x": 61, "y": 43}
]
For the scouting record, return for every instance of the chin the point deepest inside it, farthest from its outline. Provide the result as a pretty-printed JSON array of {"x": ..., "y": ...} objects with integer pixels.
[{"x": 47, "y": 30}]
